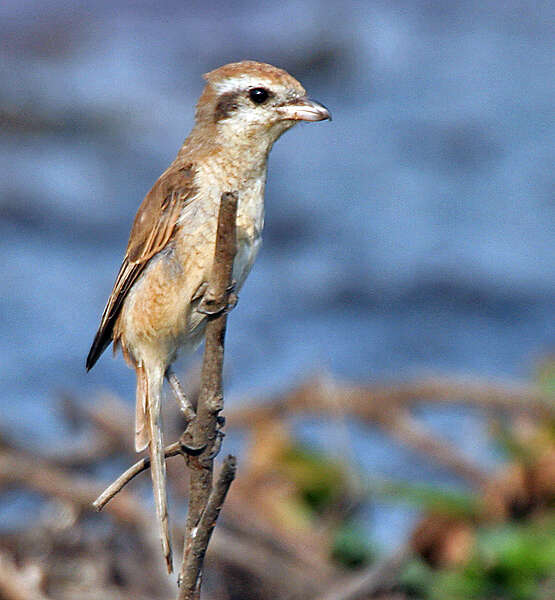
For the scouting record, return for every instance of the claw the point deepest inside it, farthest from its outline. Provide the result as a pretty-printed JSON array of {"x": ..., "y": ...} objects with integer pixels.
[
  {"x": 220, "y": 421},
  {"x": 232, "y": 302},
  {"x": 188, "y": 446},
  {"x": 209, "y": 307},
  {"x": 217, "y": 445}
]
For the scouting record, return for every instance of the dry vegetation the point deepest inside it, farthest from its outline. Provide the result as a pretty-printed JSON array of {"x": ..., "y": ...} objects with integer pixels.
[{"x": 278, "y": 534}]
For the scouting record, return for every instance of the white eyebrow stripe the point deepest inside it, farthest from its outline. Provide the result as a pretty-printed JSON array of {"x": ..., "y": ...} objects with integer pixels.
[{"x": 241, "y": 82}]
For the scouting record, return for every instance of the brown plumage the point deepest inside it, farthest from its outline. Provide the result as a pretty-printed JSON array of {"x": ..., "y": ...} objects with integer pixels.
[
  {"x": 151, "y": 313},
  {"x": 152, "y": 229}
]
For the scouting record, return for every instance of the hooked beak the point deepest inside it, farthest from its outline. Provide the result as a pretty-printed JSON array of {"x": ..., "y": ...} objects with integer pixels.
[{"x": 304, "y": 109}]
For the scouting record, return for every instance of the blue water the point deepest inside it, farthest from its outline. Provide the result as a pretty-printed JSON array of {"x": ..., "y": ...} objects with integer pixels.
[{"x": 413, "y": 233}]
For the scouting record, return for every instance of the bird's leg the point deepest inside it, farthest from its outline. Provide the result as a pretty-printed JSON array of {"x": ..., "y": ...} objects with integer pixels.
[
  {"x": 188, "y": 412},
  {"x": 183, "y": 402}
]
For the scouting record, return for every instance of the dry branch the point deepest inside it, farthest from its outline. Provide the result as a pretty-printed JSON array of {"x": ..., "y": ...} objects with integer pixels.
[
  {"x": 387, "y": 407},
  {"x": 368, "y": 402},
  {"x": 140, "y": 466},
  {"x": 17, "y": 468},
  {"x": 376, "y": 577},
  {"x": 203, "y": 432},
  {"x": 202, "y": 437},
  {"x": 244, "y": 554},
  {"x": 409, "y": 431},
  {"x": 201, "y": 535}
]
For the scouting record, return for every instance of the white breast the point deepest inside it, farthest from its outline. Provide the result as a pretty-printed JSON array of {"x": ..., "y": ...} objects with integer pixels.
[
  {"x": 213, "y": 179},
  {"x": 247, "y": 250}
]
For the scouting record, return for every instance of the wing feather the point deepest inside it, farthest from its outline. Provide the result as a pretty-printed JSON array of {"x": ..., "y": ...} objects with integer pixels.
[{"x": 152, "y": 229}]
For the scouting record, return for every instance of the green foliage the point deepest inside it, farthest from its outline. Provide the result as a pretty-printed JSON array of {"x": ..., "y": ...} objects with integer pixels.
[
  {"x": 321, "y": 480},
  {"x": 511, "y": 562},
  {"x": 351, "y": 548},
  {"x": 324, "y": 488},
  {"x": 546, "y": 377},
  {"x": 509, "y": 444},
  {"x": 431, "y": 498}
]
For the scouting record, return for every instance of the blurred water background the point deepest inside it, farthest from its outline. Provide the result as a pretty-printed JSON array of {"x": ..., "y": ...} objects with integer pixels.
[{"x": 413, "y": 233}]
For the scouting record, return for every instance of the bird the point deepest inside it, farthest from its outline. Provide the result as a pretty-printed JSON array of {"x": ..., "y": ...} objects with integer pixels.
[{"x": 152, "y": 312}]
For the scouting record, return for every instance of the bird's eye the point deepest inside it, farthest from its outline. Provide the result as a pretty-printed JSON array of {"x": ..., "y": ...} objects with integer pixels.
[{"x": 258, "y": 95}]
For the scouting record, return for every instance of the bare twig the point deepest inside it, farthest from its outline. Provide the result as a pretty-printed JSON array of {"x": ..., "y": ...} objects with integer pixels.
[
  {"x": 376, "y": 577},
  {"x": 202, "y": 437},
  {"x": 201, "y": 535},
  {"x": 18, "y": 468},
  {"x": 140, "y": 466},
  {"x": 387, "y": 407},
  {"x": 380, "y": 404},
  {"x": 412, "y": 433},
  {"x": 279, "y": 570},
  {"x": 369, "y": 401},
  {"x": 203, "y": 432}
]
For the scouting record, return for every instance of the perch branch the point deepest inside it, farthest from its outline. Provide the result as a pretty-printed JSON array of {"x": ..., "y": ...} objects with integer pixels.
[
  {"x": 140, "y": 466},
  {"x": 201, "y": 535},
  {"x": 203, "y": 431}
]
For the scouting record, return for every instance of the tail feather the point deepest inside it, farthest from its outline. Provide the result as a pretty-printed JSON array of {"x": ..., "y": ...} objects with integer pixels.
[
  {"x": 154, "y": 382},
  {"x": 142, "y": 435}
]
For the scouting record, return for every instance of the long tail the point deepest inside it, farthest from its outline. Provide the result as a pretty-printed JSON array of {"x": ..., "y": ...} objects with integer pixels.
[{"x": 148, "y": 431}]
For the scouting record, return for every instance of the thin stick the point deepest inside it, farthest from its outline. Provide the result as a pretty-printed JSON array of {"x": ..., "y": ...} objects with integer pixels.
[
  {"x": 385, "y": 407},
  {"x": 377, "y": 576},
  {"x": 409, "y": 431},
  {"x": 203, "y": 431},
  {"x": 18, "y": 467},
  {"x": 140, "y": 466},
  {"x": 369, "y": 401},
  {"x": 201, "y": 535}
]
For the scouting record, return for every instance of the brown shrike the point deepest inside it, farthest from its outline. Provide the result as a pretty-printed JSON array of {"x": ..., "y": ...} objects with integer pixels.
[{"x": 152, "y": 310}]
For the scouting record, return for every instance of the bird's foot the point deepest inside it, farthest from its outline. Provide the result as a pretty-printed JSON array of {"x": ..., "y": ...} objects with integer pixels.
[
  {"x": 192, "y": 448},
  {"x": 188, "y": 444},
  {"x": 233, "y": 298},
  {"x": 212, "y": 307}
]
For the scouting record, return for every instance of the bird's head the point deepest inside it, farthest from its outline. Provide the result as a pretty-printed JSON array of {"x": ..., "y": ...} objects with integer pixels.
[{"x": 253, "y": 103}]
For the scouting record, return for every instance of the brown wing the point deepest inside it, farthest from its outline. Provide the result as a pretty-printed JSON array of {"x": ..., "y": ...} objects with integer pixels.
[{"x": 152, "y": 229}]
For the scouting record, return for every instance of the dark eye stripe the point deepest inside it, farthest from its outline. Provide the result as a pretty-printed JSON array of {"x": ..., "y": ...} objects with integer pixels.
[{"x": 227, "y": 103}]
